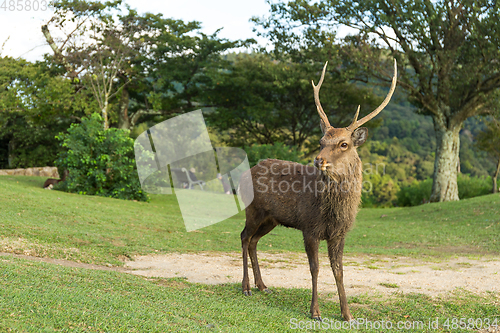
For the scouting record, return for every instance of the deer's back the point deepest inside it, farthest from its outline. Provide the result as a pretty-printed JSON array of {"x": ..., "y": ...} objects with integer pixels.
[{"x": 285, "y": 191}]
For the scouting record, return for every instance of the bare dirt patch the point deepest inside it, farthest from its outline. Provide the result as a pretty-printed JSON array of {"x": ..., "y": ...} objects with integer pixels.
[{"x": 362, "y": 274}]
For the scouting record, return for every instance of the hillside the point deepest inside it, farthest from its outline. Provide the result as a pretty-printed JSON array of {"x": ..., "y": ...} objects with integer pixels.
[
  {"x": 400, "y": 151},
  {"x": 415, "y": 135}
]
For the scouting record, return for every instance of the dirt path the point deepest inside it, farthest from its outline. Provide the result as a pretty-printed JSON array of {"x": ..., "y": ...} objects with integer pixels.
[{"x": 362, "y": 274}]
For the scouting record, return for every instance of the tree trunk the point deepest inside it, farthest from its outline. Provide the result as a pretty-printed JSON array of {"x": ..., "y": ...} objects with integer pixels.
[
  {"x": 104, "y": 112},
  {"x": 495, "y": 176},
  {"x": 11, "y": 151},
  {"x": 58, "y": 53},
  {"x": 123, "y": 120},
  {"x": 444, "y": 186}
]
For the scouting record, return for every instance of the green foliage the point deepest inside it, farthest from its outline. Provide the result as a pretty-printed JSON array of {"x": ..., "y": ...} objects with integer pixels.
[
  {"x": 446, "y": 53},
  {"x": 100, "y": 162},
  {"x": 264, "y": 101},
  {"x": 278, "y": 151},
  {"x": 36, "y": 103},
  {"x": 416, "y": 194},
  {"x": 379, "y": 190},
  {"x": 175, "y": 65},
  {"x": 419, "y": 192},
  {"x": 469, "y": 187},
  {"x": 489, "y": 141}
]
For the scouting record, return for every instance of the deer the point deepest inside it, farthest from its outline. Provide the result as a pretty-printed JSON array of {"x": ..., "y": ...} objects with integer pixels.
[
  {"x": 49, "y": 183},
  {"x": 322, "y": 200}
]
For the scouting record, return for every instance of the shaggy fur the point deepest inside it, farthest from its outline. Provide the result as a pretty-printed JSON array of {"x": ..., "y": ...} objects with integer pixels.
[{"x": 322, "y": 202}]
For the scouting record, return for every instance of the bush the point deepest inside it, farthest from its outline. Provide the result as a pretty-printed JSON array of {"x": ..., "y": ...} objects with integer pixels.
[
  {"x": 100, "y": 162},
  {"x": 279, "y": 151},
  {"x": 417, "y": 193},
  {"x": 420, "y": 191},
  {"x": 378, "y": 191},
  {"x": 469, "y": 187}
]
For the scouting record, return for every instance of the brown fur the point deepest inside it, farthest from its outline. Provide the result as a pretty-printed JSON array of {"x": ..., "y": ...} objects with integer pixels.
[
  {"x": 325, "y": 215},
  {"x": 52, "y": 181},
  {"x": 321, "y": 215}
]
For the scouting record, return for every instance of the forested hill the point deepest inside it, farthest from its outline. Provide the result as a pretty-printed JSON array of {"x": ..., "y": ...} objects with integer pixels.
[
  {"x": 404, "y": 136},
  {"x": 401, "y": 149}
]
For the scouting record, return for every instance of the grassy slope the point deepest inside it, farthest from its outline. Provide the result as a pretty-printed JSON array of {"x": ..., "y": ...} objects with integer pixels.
[
  {"x": 103, "y": 230},
  {"x": 38, "y": 297}
]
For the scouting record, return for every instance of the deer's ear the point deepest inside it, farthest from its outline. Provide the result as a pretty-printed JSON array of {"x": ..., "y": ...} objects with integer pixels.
[
  {"x": 359, "y": 136},
  {"x": 323, "y": 127}
]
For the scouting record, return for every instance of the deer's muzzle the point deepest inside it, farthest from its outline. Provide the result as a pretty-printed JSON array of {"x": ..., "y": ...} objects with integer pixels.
[{"x": 321, "y": 164}]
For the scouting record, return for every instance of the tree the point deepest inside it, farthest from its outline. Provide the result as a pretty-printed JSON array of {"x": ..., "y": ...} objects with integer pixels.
[
  {"x": 36, "y": 103},
  {"x": 104, "y": 61},
  {"x": 97, "y": 51},
  {"x": 264, "y": 101},
  {"x": 448, "y": 50},
  {"x": 489, "y": 141},
  {"x": 177, "y": 63},
  {"x": 146, "y": 64},
  {"x": 74, "y": 20}
]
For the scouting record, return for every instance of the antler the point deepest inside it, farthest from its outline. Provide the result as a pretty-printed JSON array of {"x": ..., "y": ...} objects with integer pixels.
[
  {"x": 356, "y": 123},
  {"x": 316, "y": 98}
]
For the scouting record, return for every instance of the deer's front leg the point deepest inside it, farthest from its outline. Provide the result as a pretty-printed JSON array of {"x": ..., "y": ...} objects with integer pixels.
[
  {"x": 245, "y": 284},
  {"x": 335, "y": 252},
  {"x": 311, "y": 245}
]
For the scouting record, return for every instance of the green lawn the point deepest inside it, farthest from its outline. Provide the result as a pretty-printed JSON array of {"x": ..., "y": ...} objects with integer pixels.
[
  {"x": 39, "y": 297},
  {"x": 105, "y": 231}
]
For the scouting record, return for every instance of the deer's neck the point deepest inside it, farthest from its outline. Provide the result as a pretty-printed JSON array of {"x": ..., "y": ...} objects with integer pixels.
[{"x": 340, "y": 201}]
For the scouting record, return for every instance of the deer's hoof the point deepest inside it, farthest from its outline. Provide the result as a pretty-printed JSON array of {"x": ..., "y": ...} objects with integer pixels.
[
  {"x": 350, "y": 318},
  {"x": 247, "y": 293},
  {"x": 267, "y": 291},
  {"x": 317, "y": 318}
]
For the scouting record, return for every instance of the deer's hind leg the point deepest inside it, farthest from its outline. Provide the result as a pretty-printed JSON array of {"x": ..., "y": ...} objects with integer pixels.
[
  {"x": 268, "y": 225},
  {"x": 252, "y": 225}
]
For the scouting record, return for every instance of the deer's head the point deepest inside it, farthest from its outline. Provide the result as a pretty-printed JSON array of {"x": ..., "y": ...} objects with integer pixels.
[{"x": 338, "y": 145}]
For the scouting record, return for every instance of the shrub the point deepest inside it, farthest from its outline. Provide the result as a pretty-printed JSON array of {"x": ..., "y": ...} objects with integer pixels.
[
  {"x": 469, "y": 187},
  {"x": 378, "y": 191},
  {"x": 420, "y": 191},
  {"x": 417, "y": 193},
  {"x": 100, "y": 162}
]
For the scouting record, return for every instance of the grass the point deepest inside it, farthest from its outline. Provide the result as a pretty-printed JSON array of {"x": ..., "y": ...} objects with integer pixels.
[
  {"x": 389, "y": 285},
  {"x": 106, "y": 231},
  {"x": 39, "y": 297}
]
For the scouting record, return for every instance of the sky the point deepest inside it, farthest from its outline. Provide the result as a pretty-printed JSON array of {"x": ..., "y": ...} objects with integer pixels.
[{"x": 23, "y": 28}]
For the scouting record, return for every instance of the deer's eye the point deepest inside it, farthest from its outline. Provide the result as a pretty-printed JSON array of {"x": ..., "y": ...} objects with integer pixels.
[{"x": 343, "y": 145}]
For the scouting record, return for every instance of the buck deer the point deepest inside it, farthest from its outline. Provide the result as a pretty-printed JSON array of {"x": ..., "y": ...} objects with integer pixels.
[{"x": 322, "y": 202}]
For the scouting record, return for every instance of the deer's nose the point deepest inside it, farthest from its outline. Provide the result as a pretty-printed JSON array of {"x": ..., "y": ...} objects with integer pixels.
[{"x": 318, "y": 162}]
